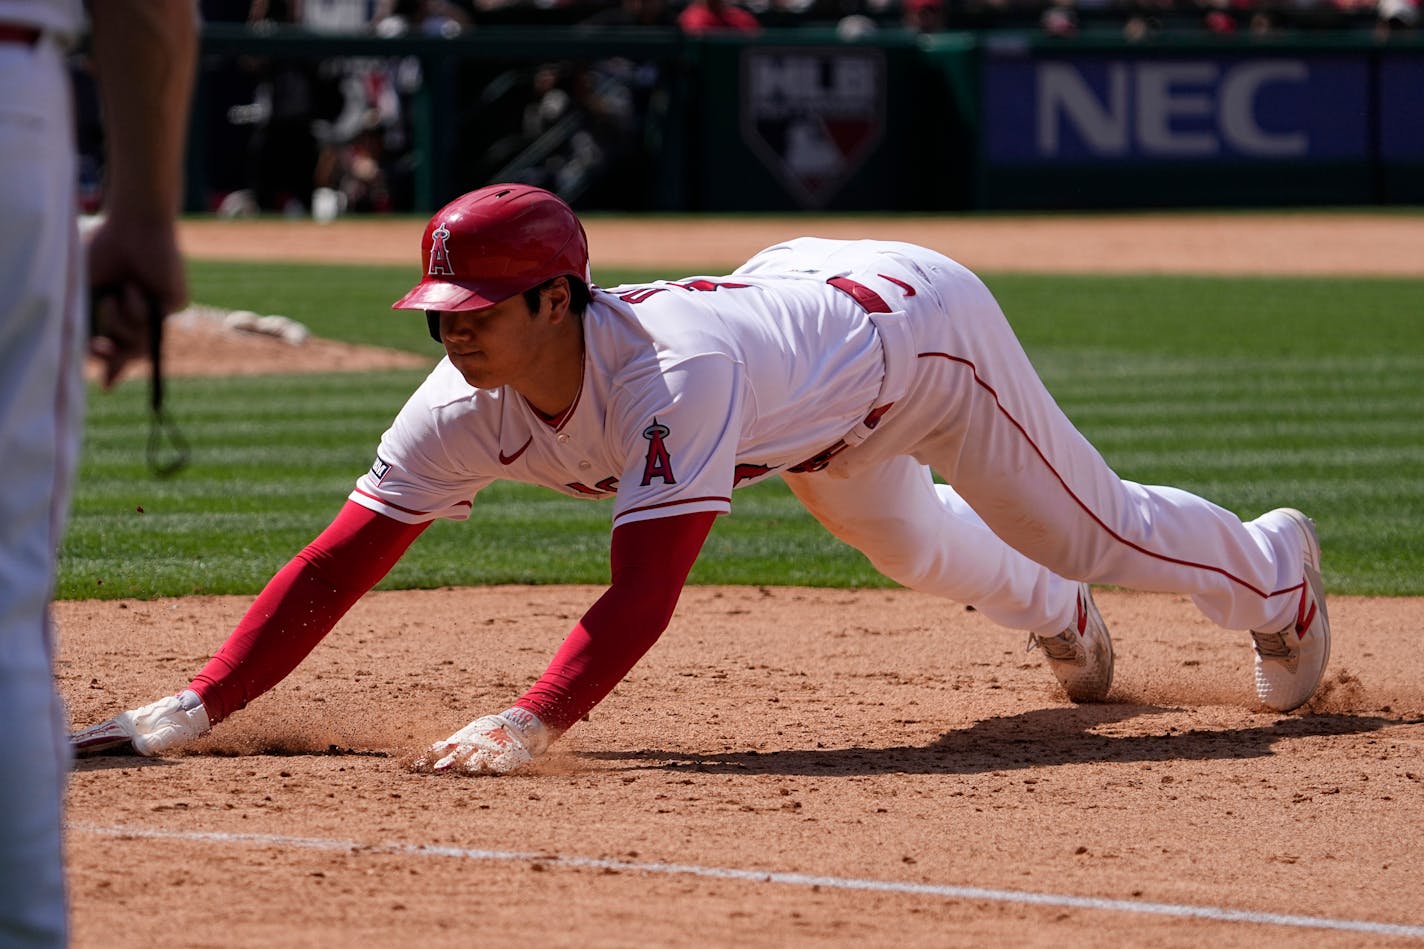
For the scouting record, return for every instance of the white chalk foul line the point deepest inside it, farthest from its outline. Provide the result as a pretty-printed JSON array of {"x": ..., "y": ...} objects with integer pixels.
[{"x": 1181, "y": 910}]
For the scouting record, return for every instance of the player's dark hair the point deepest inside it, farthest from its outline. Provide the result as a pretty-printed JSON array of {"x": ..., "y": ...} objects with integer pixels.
[{"x": 578, "y": 294}]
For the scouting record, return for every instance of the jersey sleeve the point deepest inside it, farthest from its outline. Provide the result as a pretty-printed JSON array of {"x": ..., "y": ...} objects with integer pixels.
[
  {"x": 300, "y": 605},
  {"x": 679, "y": 437},
  {"x": 650, "y": 561},
  {"x": 427, "y": 465}
]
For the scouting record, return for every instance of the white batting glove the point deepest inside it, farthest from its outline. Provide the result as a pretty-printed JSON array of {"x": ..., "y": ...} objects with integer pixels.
[
  {"x": 165, "y": 725},
  {"x": 494, "y": 744}
]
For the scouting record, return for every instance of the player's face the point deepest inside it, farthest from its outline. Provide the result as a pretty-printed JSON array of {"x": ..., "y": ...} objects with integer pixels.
[{"x": 498, "y": 345}]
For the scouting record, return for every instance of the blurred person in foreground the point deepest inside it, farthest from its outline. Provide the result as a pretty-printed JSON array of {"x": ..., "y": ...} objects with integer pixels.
[{"x": 143, "y": 53}]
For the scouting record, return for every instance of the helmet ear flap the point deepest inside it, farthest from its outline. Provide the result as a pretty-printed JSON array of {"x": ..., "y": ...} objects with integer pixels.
[{"x": 432, "y": 321}]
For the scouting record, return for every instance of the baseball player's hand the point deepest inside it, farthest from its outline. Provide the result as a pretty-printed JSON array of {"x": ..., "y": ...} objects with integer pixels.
[
  {"x": 494, "y": 744},
  {"x": 120, "y": 318},
  {"x": 165, "y": 725},
  {"x": 138, "y": 261}
]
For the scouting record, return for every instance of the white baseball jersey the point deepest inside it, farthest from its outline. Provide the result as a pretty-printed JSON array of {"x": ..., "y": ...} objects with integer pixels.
[
  {"x": 695, "y": 386},
  {"x": 690, "y": 389}
]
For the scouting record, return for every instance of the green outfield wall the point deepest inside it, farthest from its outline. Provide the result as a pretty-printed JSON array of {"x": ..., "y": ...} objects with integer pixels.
[{"x": 802, "y": 119}]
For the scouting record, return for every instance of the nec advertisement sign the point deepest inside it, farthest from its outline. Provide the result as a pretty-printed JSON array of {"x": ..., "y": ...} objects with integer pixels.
[
  {"x": 1095, "y": 109},
  {"x": 1401, "y": 86}
]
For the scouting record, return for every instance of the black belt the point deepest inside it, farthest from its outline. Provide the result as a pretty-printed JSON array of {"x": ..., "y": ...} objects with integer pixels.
[
  {"x": 25, "y": 35},
  {"x": 821, "y": 460}
]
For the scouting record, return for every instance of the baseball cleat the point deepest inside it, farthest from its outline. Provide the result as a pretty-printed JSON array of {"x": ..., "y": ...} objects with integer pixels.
[
  {"x": 1081, "y": 656},
  {"x": 1291, "y": 661},
  {"x": 97, "y": 739}
]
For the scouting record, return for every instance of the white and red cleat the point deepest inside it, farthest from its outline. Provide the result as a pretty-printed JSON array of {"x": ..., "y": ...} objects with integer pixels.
[
  {"x": 1290, "y": 662},
  {"x": 1080, "y": 656}
]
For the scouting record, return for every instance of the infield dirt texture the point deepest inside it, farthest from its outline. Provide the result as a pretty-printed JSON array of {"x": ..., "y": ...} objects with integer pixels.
[{"x": 787, "y": 767}]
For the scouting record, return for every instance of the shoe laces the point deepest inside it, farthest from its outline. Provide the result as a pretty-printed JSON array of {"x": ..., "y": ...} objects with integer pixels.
[
  {"x": 1059, "y": 648},
  {"x": 1281, "y": 644},
  {"x": 1272, "y": 645}
]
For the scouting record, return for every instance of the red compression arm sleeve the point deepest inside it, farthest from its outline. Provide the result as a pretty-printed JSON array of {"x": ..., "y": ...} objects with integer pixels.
[
  {"x": 300, "y": 605},
  {"x": 650, "y": 561}
]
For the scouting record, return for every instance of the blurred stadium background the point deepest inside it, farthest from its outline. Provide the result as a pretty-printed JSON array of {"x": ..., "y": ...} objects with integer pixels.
[{"x": 317, "y": 108}]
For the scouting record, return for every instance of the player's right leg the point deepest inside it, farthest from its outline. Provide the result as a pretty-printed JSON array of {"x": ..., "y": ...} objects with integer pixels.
[
  {"x": 924, "y": 536},
  {"x": 979, "y": 415}
]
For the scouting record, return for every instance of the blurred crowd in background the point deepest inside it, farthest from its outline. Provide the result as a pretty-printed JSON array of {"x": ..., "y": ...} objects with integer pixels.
[
  {"x": 323, "y": 138},
  {"x": 451, "y": 17}
]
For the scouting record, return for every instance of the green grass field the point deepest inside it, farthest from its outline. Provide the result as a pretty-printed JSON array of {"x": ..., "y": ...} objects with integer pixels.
[{"x": 1254, "y": 392}]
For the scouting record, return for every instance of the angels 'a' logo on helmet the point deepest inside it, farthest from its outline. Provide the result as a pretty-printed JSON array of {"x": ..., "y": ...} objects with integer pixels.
[{"x": 439, "y": 253}]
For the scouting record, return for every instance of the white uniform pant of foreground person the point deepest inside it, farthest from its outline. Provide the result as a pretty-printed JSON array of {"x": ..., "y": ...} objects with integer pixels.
[{"x": 41, "y": 404}]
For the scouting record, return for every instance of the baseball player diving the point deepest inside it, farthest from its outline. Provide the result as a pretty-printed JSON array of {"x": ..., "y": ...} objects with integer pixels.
[{"x": 850, "y": 369}]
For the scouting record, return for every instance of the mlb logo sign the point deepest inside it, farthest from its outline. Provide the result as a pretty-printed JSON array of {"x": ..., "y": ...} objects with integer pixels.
[{"x": 812, "y": 115}]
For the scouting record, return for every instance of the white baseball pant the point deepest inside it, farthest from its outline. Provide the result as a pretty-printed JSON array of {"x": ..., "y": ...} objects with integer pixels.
[{"x": 1024, "y": 481}]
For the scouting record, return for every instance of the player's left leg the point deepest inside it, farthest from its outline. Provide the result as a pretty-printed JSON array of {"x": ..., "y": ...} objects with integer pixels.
[{"x": 924, "y": 536}]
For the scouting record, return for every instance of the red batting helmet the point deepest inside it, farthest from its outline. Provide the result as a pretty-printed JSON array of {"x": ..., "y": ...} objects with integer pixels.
[{"x": 490, "y": 244}]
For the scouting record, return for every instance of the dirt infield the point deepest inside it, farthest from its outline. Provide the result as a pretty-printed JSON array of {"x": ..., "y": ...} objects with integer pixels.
[
  {"x": 1295, "y": 243},
  {"x": 787, "y": 766}
]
